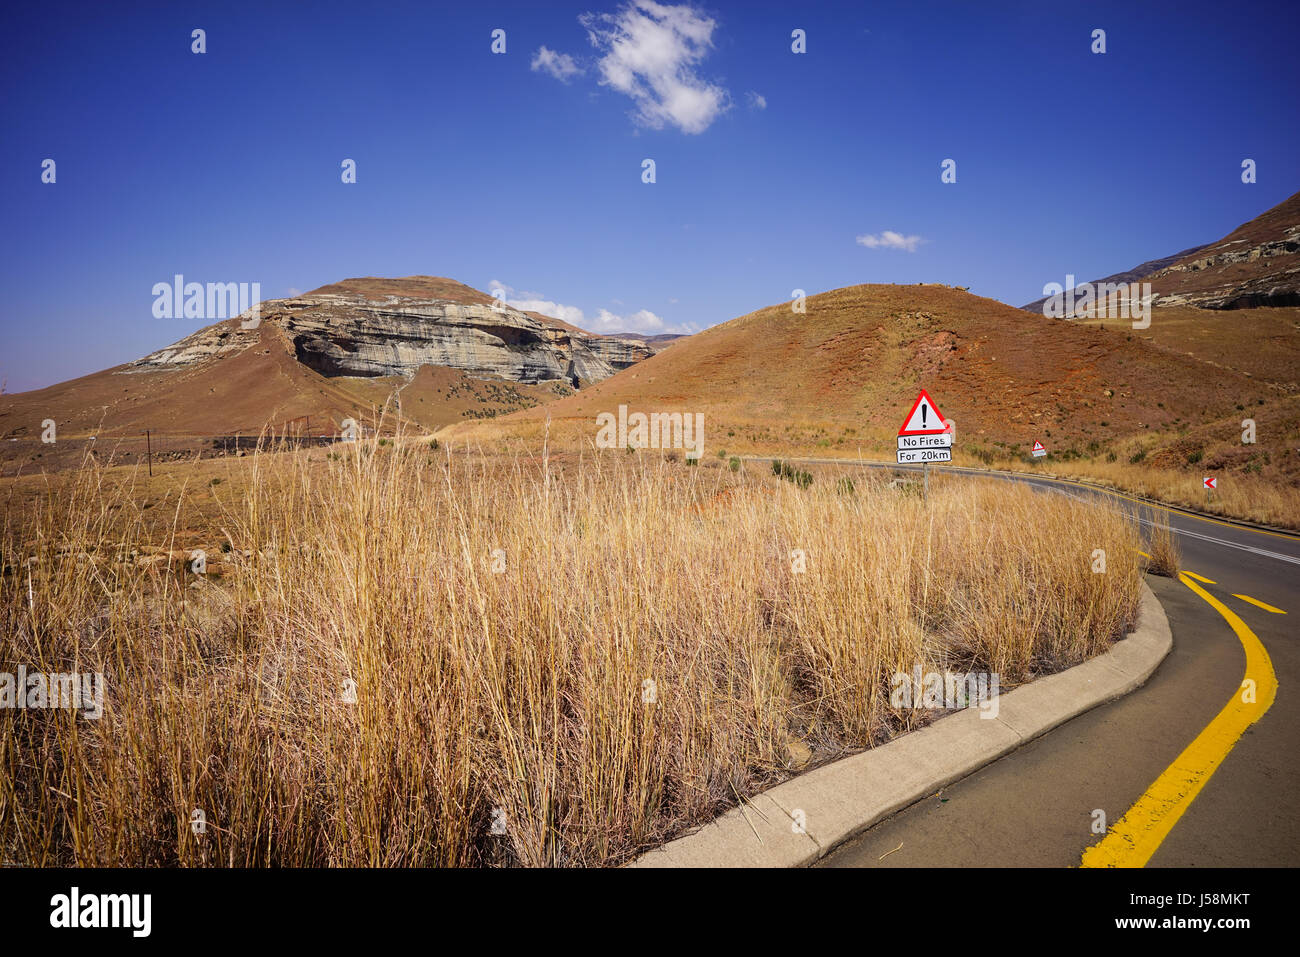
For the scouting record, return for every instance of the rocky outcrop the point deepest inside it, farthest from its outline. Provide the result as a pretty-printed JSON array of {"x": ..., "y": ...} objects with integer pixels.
[
  {"x": 1257, "y": 264},
  {"x": 1136, "y": 274},
  {"x": 1238, "y": 274},
  {"x": 350, "y": 334}
]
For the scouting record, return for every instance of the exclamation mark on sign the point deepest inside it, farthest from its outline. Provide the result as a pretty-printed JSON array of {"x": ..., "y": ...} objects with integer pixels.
[{"x": 924, "y": 407}]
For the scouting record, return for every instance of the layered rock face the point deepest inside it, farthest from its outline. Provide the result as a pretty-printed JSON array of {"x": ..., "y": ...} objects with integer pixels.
[
  {"x": 350, "y": 334},
  {"x": 1257, "y": 264},
  {"x": 1266, "y": 274}
]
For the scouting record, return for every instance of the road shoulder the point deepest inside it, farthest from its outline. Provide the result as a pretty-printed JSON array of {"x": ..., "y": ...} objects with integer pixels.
[{"x": 801, "y": 820}]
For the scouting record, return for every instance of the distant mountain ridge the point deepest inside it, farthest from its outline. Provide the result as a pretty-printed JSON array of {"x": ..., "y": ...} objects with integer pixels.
[
  {"x": 1136, "y": 274},
  {"x": 1257, "y": 264}
]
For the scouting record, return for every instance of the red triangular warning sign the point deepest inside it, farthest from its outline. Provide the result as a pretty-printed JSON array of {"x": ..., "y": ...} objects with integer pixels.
[
  {"x": 924, "y": 419},
  {"x": 1038, "y": 447}
]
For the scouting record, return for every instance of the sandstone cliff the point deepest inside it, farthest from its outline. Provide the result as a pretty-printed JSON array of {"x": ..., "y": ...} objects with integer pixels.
[
  {"x": 1256, "y": 265},
  {"x": 356, "y": 328}
]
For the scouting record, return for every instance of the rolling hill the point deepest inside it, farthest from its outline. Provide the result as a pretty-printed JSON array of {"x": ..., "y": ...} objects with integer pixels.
[{"x": 839, "y": 379}]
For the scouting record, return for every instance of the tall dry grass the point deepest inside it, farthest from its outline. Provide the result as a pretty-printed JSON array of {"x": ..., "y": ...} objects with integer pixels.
[
  {"x": 643, "y": 659},
  {"x": 1253, "y": 498},
  {"x": 1166, "y": 555}
]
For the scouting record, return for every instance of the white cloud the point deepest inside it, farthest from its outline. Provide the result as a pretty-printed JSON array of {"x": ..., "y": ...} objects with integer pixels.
[
  {"x": 556, "y": 310},
  {"x": 650, "y": 54},
  {"x": 756, "y": 100},
  {"x": 891, "y": 240},
  {"x": 559, "y": 65},
  {"x": 294, "y": 293},
  {"x": 603, "y": 323},
  {"x": 644, "y": 320}
]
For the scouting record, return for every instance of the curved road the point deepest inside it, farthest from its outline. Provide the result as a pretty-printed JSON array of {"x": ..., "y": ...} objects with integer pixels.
[{"x": 1036, "y": 806}]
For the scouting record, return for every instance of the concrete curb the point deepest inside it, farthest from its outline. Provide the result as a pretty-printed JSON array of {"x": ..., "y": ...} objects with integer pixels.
[{"x": 839, "y": 800}]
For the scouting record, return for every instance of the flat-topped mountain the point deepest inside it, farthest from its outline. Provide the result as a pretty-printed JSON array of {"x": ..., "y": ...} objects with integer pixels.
[
  {"x": 391, "y": 327},
  {"x": 437, "y": 351}
]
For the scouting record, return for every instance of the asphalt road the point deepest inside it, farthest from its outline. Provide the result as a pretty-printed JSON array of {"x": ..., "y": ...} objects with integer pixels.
[{"x": 1036, "y": 806}]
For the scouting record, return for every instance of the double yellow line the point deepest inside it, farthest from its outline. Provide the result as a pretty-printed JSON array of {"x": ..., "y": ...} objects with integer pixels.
[{"x": 1137, "y": 835}]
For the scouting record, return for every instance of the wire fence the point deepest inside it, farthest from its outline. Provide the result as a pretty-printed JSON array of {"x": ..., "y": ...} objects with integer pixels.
[{"x": 17, "y": 453}]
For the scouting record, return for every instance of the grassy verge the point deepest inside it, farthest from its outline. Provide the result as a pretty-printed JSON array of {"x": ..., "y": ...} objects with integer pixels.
[
  {"x": 1240, "y": 496},
  {"x": 401, "y": 656},
  {"x": 1267, "y": 494}
]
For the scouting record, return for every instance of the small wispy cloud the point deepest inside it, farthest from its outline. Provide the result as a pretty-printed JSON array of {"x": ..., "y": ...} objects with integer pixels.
[
  {"x": 757, "y": 101},
  {"x": 559, "y": 65},
  {"x": 891, "y": 240}
]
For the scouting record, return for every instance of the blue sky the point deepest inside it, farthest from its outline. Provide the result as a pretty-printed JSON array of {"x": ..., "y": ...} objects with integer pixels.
[{"x": 527, "y": 171}]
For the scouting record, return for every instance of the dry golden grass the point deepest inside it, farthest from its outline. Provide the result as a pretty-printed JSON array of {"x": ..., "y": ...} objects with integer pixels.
[
  {"x": 518, "y": 696},
  {"x": 1239, "y": 495},
  {"x": 1166, "y": 557},
  {"x": 1270, "y": 498}
]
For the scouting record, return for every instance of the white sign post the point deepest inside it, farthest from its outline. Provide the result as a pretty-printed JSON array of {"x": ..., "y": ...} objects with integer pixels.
[{"x": 925, "y": 437}]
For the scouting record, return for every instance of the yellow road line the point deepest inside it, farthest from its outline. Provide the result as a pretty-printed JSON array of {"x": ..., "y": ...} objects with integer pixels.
[
  {"x": 1137, "y": 835},
  {"x": 1142, "y": 553},
  {"x": 1199, "y": 578},
  {"x": 1260, "y": 604}
]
